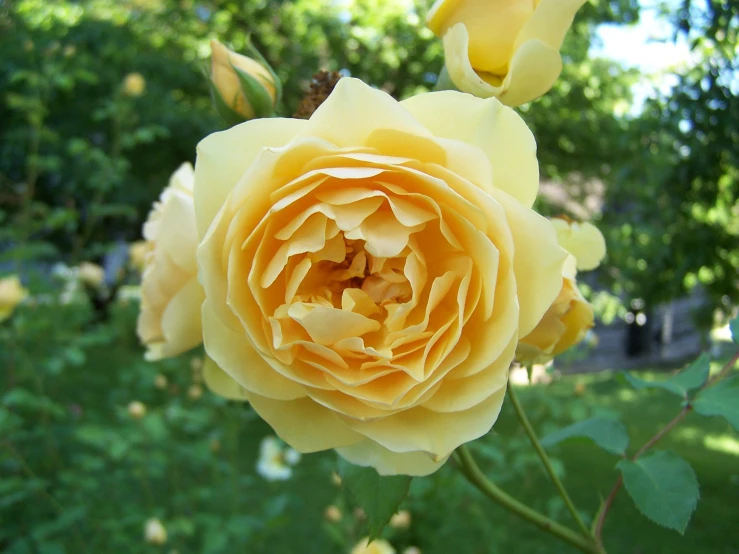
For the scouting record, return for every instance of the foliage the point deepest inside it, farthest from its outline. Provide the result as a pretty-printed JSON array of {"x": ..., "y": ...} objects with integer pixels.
[
  {"x": 79, "y": 473},
  {"x": 672, "y": 208},
  {"x": 693, "y": 377},
  {"x": 663, "y": 487},
  {"x": 82, "y": 156},
  {"x": 609, "y": 434},
  {"x": 720, "y": 400},
  {"x": 379, "y": 496}
]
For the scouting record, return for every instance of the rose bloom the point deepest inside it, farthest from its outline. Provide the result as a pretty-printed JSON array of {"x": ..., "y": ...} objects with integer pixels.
[
  {"x": 154, "y": 532},
  {"x": 227, "y": 82},
  {"x": 134, "y": 84},
  {"x": 12, "y": 293},
  {"x": 136, "y": 409},
  {"x": 138, "y": 252},
  {"x": 169, "y": 321},
  {"x": 274, "y": 463},
  {"x": 564, "y": 325},
  {"x": 91, "y": 274},
  {"x": 583, "y": 240},
  {"x": 377, "y": 546},
  {"x": 401, "y": 520},
  {"x": 570, "y": 317},
  {"x": 503, "y": 48},
  {"x": 332, "y": 514},
  {"x": 368, "y": 272}
]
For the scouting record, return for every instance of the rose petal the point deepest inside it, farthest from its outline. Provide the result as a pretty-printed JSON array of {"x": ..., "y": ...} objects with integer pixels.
[
  {"x": 368, "y": 453},
  {"x": 217, "y": 170},
  {"x": 304, "y": 424},
  {"x": 232, "y": 352},
  {"x": 496, "y": 129}
]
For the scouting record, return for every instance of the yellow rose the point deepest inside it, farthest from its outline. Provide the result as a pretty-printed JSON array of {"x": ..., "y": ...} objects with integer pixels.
[
  {"x": 136, "y": 409},
  {"x": 12, "y": 293},
  {"x": 367, "y": 272},
  {"x": 332, "y": 514},
  {"x": 401, "y": 520},
  {"x": 254, "y": 94},
  {"x": 564, "y": 325},
  {"x": 377, "y": 546},
  {"x": 91, "y": 274},
  {"x": 134, "y": 84},
  {"x": 583, "y": 240},
  {"x": 508, "y": 49},
  {"x": 169, "y": 321},
  {"x": 154, "y": 532},
  {"x": 137, "y": 253}
]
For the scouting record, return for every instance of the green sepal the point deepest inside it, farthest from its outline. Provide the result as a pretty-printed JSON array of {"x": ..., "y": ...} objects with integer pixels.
[
  {"x": 257, "y": 55},
  {"x": 230, "y": 116},
  {"x": 256, "y": 94}
]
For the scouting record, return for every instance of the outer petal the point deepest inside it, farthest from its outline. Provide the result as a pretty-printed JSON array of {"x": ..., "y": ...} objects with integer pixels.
[
  {"x": 533, "y": 69},
  {"x": 233, "y": 353},
  {"x": 495, "y": 129},
  {"x": 459, "y": 67},
  {"x": 583, "y": 240},
  {"x": 304, "y": 424},
  {"x": 354, "y": 110},
  {"x": 368, "y": 453},
  {"x": 221, "y": 382},
  {"x": 223, "y": 158},
  {"x": 181, "y": 325},
  {"x": 550, "y": 22},
  {"x": 177, "y": 235},
  {"x": 434, "y": 433},
  {"x": 537, "y": 261}
]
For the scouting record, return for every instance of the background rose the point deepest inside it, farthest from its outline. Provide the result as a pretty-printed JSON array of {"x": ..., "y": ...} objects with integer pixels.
[
  {"x": 254, "y": 98},
  {"x": 564, "y": 325},
  {"x": 169, "y": 322},
  {"x": 377, "y": 546},
  {"x": 12, "y": 293},
  {"x": 504, "y": 48},
  {"x": 583, "y": 240},
  {"x": 360, "y": 269},
  {"x": 570, "y": 317},
  {"x": 91, "y": 274},
  {"x": 138, "y": 252}
]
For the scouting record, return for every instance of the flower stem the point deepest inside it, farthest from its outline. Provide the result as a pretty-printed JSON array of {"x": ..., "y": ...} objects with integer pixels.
[
  {"x": 545, "y": 460},
  {"x": 474, "y": 475}
]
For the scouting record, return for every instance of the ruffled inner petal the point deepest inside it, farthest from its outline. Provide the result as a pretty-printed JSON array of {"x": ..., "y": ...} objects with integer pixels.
[{"x": 372, "y": 278}]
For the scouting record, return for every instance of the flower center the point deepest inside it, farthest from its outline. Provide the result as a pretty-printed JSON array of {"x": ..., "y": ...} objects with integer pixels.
[{"x": 381, "y": 279}]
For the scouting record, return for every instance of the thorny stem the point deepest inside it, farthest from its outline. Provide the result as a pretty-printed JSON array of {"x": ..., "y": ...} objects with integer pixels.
[
  {"x": 474, "y": 475},
  {"x": 545, "y": 460}
]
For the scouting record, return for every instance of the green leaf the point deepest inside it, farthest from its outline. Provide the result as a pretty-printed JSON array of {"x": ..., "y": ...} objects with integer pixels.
[
  {"x": 379, "y": 496},
  {"x": 692, "y": 377},
  {"x": 722, "y": 400},
  {"x": 609, "y": 434},
  {"x": 734, "y": 327},
  {"x": 663, "y": 487}
]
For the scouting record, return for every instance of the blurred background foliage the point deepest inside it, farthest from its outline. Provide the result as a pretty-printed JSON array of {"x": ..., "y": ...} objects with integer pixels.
[
  {"x": 82, "y": 156},
  {"x": 80, "y": 472}
]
